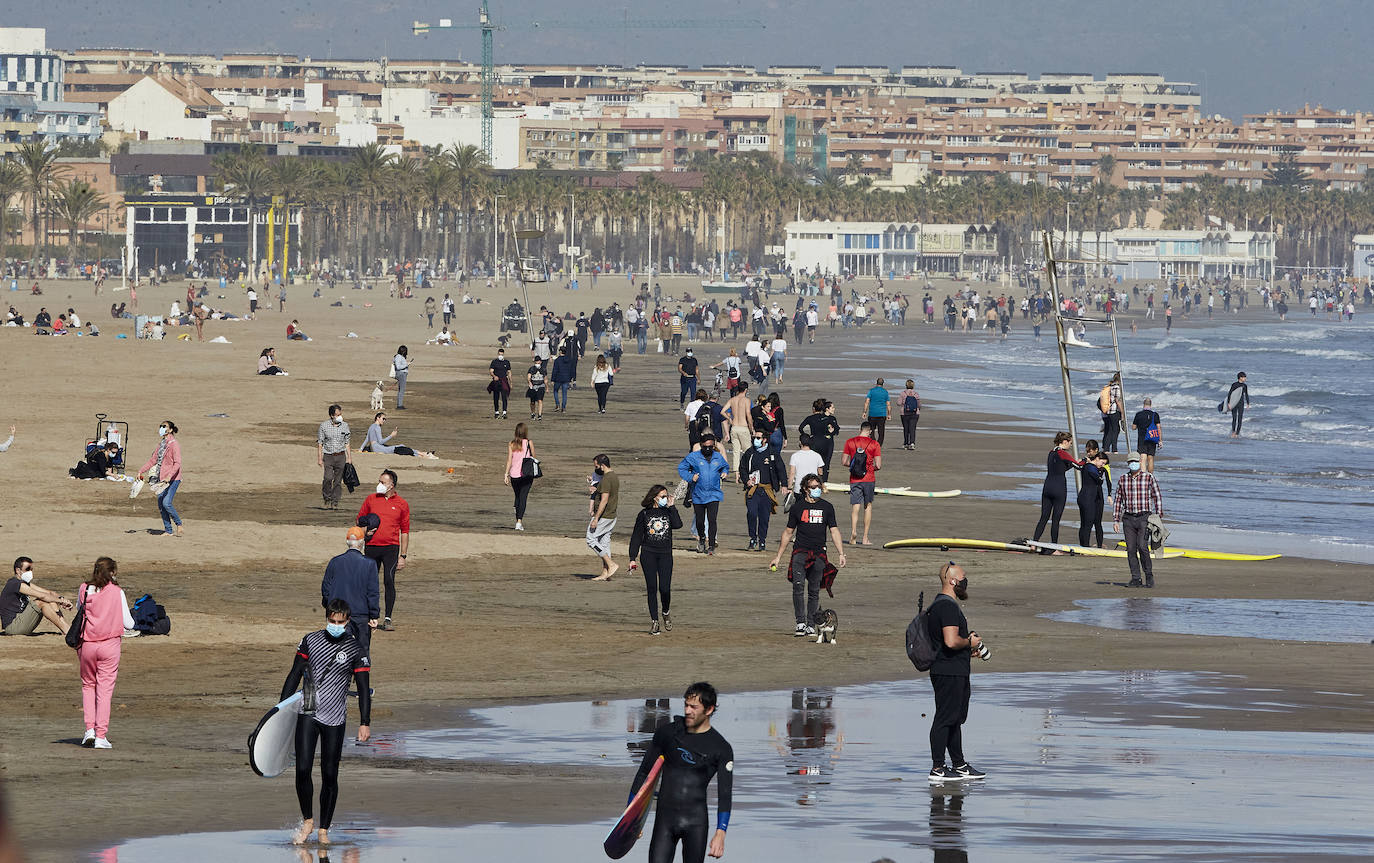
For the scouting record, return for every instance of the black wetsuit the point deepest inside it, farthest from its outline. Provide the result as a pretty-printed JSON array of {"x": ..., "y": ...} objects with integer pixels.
[
  {"x": 1091, "y": 503},
  {"x": 1055, "y": 493},
  {"x": 331, "y": 663},
  {"x": 819, "y": 431},
  {"x": 1238, "y": 412},
  {"x": 690, "y": 761}
]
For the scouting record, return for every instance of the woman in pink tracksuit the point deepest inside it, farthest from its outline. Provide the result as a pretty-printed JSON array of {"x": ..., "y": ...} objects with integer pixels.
[{"x": 107, "y": 616}]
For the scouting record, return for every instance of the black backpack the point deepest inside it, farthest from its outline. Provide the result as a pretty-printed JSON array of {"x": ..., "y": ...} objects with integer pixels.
[
  {"x": 921, "y": 648},
  {"x": 858, "y": 465},
  {"x": 149, "y": 617}
]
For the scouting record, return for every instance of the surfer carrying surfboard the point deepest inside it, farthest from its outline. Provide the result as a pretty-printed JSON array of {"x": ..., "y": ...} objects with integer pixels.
[
  {"x": 693, "y": 754},
  {"x": 326, "y": 659},
  {"x": 1237, "y": 400}
]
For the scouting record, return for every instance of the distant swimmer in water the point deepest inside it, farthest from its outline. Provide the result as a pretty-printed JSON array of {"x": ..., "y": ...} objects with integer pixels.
[{"x": 1238, "y": 403}]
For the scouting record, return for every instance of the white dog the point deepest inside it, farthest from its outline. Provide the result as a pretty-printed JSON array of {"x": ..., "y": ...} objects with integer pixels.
[{"x": 377, "y": 396}]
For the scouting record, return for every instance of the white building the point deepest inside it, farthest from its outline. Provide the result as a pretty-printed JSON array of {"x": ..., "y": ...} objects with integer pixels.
[
  {"x": 164, "y": 107},
  {"x": 1141, "y": 253},
  {"x": 1363, "y": 247},
  {"x": 26, "y": 65},
  {"x": 889, "y": 248}
]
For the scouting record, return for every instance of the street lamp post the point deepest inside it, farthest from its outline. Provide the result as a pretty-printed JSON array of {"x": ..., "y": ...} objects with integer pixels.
[
  {"x": 572, "y": 233},
  {"x": 495, "y": 229}
]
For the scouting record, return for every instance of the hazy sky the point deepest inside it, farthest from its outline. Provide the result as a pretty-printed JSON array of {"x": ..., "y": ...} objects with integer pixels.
[{"x": 1247, "y": 55}]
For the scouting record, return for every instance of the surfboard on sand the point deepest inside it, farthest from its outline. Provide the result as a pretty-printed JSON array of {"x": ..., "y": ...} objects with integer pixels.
[
  {"x": 1203, "y": 554},
  {"x": 946, "y": 542},
  {"x": 623, "y": 835},
  {"x": 271, "y": 744},
  {"x": 900, "y": 491},
  {"x": 1087, "y": 551}
]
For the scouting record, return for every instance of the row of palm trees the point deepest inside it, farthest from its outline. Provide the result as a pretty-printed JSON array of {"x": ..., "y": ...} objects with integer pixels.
[
  {"x": 376, "y": 205},
  {"x": 32, "y": 172}
]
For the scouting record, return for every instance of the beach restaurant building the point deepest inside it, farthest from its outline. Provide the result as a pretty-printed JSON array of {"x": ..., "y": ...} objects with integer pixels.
[
  {"x": 889, "y": 249},
  {"x": 1139, "y": 253}
]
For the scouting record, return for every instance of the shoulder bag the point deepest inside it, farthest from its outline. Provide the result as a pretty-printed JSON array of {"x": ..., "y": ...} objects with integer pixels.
[
  {"x": 530, "y": 467},
  {"x": 76, "y": 632}
]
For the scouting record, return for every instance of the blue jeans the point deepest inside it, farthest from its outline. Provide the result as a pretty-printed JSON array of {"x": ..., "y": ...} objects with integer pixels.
[
  {"x": 165, "y": 508},
  {"x": 691, "y": 332},
  {"x": 642, "y": 338},
  {"x": 560, "y": 395},
  {"x": 778, "y": 361},
  {"x": 401, "y": 388},
  {"x": 688, "y": 389},
  {"x": 596, "y": 338}
]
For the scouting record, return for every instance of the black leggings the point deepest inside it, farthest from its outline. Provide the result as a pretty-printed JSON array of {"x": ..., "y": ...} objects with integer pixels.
[
  {"x": 309, "y": 732},
  {"x": 909, "y": 422},
  {"x": 1051, "y": 505},
  {"x": 521, "y": 486},
  {"x": 387, "y": 556},
  {"x": 826, "y": 451},
  {"x": 1111, "y": 432},
  {"x": 951, "y": 711},
  {"x": 1089, "y": 520},
  {"x": 701, "y": 511},
  {"x": 1237, "y": 417},
  {"x": 658, "y": 579},
  {"x": 689, "y": 828},
  {"x": 601, "y": 390},
  {"x": 500, "y": 399}
]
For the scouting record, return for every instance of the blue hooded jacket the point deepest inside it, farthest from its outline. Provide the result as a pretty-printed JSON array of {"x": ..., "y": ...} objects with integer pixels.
[{"x": 706, "y": 489}]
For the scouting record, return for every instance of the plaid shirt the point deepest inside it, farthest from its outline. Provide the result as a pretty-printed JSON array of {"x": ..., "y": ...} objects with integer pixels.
[
  {"x": 333, "y": 438},
  {"x": 1136, "y": 492}
]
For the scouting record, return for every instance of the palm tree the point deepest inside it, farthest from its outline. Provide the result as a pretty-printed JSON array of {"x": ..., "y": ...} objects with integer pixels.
[
  {"x": 40, "y": 170},
  {"x": 371, "y": 170},
  {"x": 470, "y": 165},
  {"x": 245, "y": 175},
  {"x": 76, "y": 201},
  {"x": 11, "y": 183},
  {"x": 291, "y": 180}
]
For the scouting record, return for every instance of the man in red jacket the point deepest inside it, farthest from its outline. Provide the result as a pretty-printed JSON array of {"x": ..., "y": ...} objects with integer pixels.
[{"x": 390, "y": 536}]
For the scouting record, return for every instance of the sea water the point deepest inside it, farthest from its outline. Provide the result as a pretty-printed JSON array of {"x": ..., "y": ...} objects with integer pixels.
[
  {"x": 1082, "y": 766},
  {"x": 1299, "y": 481}
]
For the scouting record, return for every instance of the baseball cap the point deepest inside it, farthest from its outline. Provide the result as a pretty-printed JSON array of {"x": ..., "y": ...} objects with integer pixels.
[
  {"x": 370, "y": 521},
  {"x": 356, "y": 533},
  {"x": 1135, "y": 456}
]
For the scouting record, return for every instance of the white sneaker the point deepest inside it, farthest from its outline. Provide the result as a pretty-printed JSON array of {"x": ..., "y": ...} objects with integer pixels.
[
  {"x": 88, "y": 739},
  {"x": 519, "y": 526},
  {"x": 101, "y": 743}
]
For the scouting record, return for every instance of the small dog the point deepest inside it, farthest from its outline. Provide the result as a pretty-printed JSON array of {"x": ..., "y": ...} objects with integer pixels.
[
  {"x": 827, "y": 621},
  {"x": 377, "y": 396}
]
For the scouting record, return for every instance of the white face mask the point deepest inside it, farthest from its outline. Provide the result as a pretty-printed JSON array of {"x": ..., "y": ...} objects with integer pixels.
[
  {"x": 338, "y": 419},
  {"x": 26, "y": 577},
  {"x": 381, "y": 488},
  {"x": 162, "y": 430}
]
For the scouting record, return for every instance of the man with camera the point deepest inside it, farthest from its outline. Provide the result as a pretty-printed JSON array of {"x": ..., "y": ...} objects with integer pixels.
[{"x": 949, "y": 676}]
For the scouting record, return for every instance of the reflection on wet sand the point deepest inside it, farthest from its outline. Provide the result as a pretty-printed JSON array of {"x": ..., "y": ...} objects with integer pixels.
[{"x": 1082, "y": 767}]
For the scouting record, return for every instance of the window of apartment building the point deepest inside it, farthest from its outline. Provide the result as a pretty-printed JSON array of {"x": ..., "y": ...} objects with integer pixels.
[{"x": 1014, "y": 158}]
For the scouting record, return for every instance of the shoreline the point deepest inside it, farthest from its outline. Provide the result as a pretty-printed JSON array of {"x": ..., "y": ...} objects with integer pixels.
[{"x": 510, "y": 614}]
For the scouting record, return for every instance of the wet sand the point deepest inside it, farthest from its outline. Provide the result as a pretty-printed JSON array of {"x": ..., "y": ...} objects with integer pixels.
[{"x": 486, "y": 615}]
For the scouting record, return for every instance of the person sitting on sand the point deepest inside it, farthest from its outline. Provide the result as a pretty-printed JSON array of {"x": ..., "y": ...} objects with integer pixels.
[
  {"x": 99, "y": 462},
  {"x": 267, "y": 363},
  {"x": 293, "y": 332},
  {"x": 443, "y": 338},
  {"x": 377, "y": 443}
]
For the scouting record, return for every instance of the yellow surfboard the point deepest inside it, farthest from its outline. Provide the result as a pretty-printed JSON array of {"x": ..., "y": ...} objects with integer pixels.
[{"x": 1203, "y": 554}]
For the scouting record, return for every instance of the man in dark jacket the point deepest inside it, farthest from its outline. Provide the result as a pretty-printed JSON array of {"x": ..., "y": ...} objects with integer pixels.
[
  {"x": 564, "y": 371},
  {"x": 352, "y": 577},
  {"x": 763, "y": 474}
]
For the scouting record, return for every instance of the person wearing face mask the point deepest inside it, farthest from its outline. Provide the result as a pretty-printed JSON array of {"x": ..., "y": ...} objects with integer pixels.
[
  {"x": 687, "y": 377},
  {"x": 163, "y": 470},
  {"x": 332, "y": 453},
  {"x": 400, "y": 366},
  {"x": 809, "y": 569},
  {"x": 949, "y": 677},
  {"x": 390, "y": 537},
  {"x": 651, "y": 548},
  {"x": 604, "y": 488},
  {"x": 762, "y": 473},
  {"x": 352, "y": 578},
  {"x": 499, "y": 387},
  {"x": 327, "y": 660},
  {"x": 705, "y": 468},
  {"x": 1134, "y": 502},
  {"x": 24, "y": 605}
]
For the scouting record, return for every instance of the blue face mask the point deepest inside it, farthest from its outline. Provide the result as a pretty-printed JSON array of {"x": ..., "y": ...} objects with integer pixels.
[
  {"x": 336, "y": 630},
  {"x": 663, "y": 501},
  {"x": 760, "y": 445},
  {"x": 1133, "y": 466},
  {"x": 815, "y": 493}
]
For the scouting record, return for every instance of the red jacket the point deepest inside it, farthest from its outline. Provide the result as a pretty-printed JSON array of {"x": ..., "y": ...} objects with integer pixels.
[{"x": 394, "y": 513}]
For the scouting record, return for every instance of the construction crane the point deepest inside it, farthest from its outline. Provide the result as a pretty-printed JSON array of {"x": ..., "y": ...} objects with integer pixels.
[{"x": 624, "y": 23}]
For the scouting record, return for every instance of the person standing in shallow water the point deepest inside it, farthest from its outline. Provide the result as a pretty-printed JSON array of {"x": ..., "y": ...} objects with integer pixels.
[{"x": 949, "y": 677}]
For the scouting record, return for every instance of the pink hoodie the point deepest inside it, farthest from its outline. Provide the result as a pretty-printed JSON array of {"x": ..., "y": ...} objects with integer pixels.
[{"x": 107, "y": 612}]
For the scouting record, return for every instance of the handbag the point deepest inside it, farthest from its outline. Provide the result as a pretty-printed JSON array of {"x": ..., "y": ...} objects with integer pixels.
[
  {"x": 391, "y": 373},
  {"x": 159, "y": 488},
  {"x": 530, "y": 468},
  {"x": 76, "y": 632}
]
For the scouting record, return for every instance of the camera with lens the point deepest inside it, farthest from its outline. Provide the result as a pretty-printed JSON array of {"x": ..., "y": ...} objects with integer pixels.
[{"x": 981, "y": 651}]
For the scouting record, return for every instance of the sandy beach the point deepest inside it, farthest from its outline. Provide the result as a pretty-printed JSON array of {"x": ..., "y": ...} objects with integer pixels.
[{"x": 487, "y": 615}]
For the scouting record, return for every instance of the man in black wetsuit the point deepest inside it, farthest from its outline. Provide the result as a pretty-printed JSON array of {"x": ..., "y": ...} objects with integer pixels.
[
  {"x": 326, "y": 659},
  {"x": 693, "y": 752},
  {"x": 1241, "y": 403}
]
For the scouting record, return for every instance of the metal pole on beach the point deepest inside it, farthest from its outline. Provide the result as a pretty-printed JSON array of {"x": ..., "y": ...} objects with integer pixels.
[{"x": 1052, "y": 272}]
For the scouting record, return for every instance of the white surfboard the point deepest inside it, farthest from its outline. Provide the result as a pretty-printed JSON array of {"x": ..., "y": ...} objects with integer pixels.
[
  {"x": 271, "y": 745},
  {"x": 1236, "y": 397}
]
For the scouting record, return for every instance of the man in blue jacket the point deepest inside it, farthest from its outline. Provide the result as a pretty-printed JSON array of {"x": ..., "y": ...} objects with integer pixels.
[
  {"x": 564, "y": 371},
  {"x": 352, "y": 577},
  {"x": 705, "y": 468}
]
